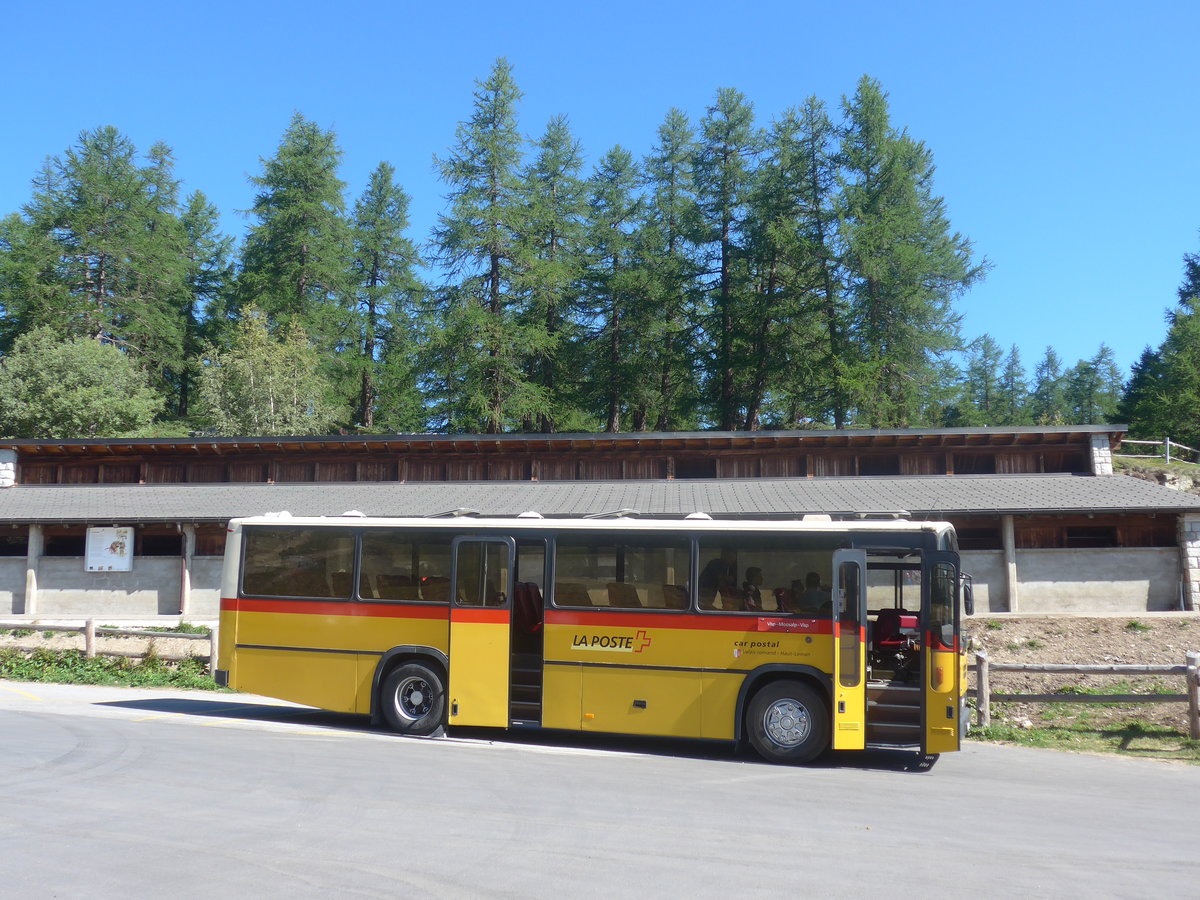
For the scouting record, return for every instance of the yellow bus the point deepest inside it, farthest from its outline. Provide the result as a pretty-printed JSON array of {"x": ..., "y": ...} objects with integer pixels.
[{"x": 793, "y": 636}]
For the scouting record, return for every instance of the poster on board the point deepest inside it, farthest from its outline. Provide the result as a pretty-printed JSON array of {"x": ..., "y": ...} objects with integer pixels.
[{"x": 109, "y": 550}]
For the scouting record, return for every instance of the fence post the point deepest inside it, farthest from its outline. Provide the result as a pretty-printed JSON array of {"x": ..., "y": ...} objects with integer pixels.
[
  {"x": 983, "y": 690},
  {"x": 89, "y": 638},
  {"x": 1193, "y": 692},
  {"x": 212, "y": 651},
  {"x": 1167, "y": 448}
]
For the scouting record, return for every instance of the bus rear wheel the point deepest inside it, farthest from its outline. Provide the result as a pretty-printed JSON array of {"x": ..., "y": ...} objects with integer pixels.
[
  {"x": 413, "y": 699},
  {"x": 788, "y": 722}
]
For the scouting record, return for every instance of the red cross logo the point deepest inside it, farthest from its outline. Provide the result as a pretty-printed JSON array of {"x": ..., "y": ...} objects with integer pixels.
[{"x": 644, "y": 641}]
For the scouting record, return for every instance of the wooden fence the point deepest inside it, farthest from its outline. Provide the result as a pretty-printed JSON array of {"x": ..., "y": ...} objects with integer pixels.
[
  {"x": 1166, "y": 445},
  {"x": 1190, "y": 671},
  {"x": 89, "y": 631}
]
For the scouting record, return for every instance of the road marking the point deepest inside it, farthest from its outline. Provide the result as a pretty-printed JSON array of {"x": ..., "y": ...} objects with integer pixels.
[{"x": 25, "y": 694}]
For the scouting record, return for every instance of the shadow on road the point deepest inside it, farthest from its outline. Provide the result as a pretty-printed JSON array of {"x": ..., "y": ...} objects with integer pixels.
[{"x": 871, "y": 760}]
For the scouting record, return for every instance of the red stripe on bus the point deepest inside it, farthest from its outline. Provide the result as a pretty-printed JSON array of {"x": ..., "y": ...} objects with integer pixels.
[
  {"x": 480, "y": 616},
  {"x": 335, "y": 608}
]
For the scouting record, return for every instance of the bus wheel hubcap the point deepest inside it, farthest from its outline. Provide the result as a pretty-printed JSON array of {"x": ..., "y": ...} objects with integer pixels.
[
  {"x": 787, "y": 723},
  {"x": 413, "y": 698}
]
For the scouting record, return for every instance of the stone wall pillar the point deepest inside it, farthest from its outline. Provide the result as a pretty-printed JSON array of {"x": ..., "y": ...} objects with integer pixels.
[
  {"x": 185, "y": 580},
  {"x": 33, "y": 554},
  {"x": 8, "y": 468},
  {"x": 1102, "y": 460},
  {"x": 1189, "y": 559},
  {"x": 1008, "y": 536}
]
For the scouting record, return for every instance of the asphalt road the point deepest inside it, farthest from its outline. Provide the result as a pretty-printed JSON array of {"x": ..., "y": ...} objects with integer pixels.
[{"x": 114, "y": 793}]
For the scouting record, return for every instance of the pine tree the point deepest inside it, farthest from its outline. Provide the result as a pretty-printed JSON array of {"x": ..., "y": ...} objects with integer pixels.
[
  {"x": 1046, "y": 403},
  {"x": 550, "y": 261},
  {"x": 1013, "y": 391},
  {"x": 1092, "y": 389},
  {"x": 823, "y": 388},
  {"x": 296, "y": 257},
  {"x": 209, "y": 280},
  {"x": 483, "y": 343},
  {"x": 389, "y": 297},
  {"x": 982, "y": 382},
  {"x": 668, "y": 273},
  {"x": 621, "y": 321},
  {"x": 100, "y": 252},
  {"x": 726, "y": 158},
  {"x": 907, "y": 267}
]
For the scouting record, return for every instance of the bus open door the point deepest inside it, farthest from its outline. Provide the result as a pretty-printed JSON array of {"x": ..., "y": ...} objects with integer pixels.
[
  {"x": 849, "y": 650},
  {"x": 480, "y": 631},
  {"x": 941, "y": 662}
]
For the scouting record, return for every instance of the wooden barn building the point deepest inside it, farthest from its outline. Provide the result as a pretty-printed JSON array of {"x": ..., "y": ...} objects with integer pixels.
[{"x": 1043, "y": 522}]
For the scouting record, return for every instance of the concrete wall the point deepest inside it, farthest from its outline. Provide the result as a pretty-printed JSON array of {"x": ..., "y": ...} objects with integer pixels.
[
  {"x": 1133, "y": 579},
  {"x": 65, "y": 590},
  {"x": 12, "y": 584},
  {"x": 987, "y": 568},
  {"x": 206, "y": 587}
]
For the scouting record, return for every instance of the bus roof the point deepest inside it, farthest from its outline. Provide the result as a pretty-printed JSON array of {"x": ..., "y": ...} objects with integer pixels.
[{"x": 459, "y": 522}]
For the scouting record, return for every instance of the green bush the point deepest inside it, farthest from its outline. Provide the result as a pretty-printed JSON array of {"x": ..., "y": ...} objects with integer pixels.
[{"x": 72, "y": 667}]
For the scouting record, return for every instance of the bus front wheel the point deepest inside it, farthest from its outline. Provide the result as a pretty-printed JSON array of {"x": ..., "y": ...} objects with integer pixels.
[
  {"x": 413, "y": 699},
  {"x": 787, "y": 722}
]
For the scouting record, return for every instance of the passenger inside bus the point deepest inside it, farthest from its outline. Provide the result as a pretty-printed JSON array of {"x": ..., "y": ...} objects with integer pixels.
[
  {"x": 813, "y": 598},
  {"x": 720, "y": 577}
]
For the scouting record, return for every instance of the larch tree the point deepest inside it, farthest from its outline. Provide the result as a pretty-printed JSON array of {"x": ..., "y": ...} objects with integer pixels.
[
  {"x": 100, "y": 252},
  {"x": 296, "y": 257},
  {"x": 906, "y": 265},
  {"x": 390, "y": 305},
  {"x": 670, "y": 224},
  {"x": 619, "y": 320},
  {"x": 483, "y": 341},
  {"x": 549, "y": 265},
  {"x": 726, "y": 157}
]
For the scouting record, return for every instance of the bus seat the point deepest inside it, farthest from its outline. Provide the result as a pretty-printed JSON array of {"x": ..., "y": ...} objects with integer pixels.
[
  {"x": 783, "y": 599},
  {"x": 306, "y": 583},
  {"x": 731, "y": 599},
  {"x": 622, "y": 594},
  {"x": 342, "y": 583},
  {"x": 527, "y": 606},
  {"x": 674, "y": 596},
  {"x": 435, "y": 588},
  {"x": 396, "y": 587},
  {"x": 890, "y": 625},
  {"x": 571, "y": 593}
]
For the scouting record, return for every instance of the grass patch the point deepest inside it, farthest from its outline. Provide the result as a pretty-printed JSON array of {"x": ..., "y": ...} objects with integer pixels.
[
  {"x": 993, "y": 625},
  {"x": 1130, "y": 738},
  {"x": 1029, "y": 644},
  {"x": 72, "y": 667},
  {"x": 1138, "y": 627},
  {"x": 187, "y": 628}
]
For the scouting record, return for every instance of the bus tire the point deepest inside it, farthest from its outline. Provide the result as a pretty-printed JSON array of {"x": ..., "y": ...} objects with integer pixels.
[
  {"x": 413, "y": 699},
  {"x": 788, "y": 722}
]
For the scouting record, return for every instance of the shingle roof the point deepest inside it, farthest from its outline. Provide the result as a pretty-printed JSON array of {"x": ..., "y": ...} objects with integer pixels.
[{"x": 924, "y": 497}]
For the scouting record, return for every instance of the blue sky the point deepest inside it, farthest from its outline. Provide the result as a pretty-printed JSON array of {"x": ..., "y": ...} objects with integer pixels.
[{"x": 1065, "y": 134}]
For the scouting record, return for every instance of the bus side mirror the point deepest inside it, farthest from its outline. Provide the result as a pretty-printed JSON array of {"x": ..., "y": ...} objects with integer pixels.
[{"x": 968, "y": 595}]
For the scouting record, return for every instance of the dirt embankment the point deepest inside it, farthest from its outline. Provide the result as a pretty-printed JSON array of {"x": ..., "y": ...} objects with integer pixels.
[{"x": 1147, "y": 639}]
